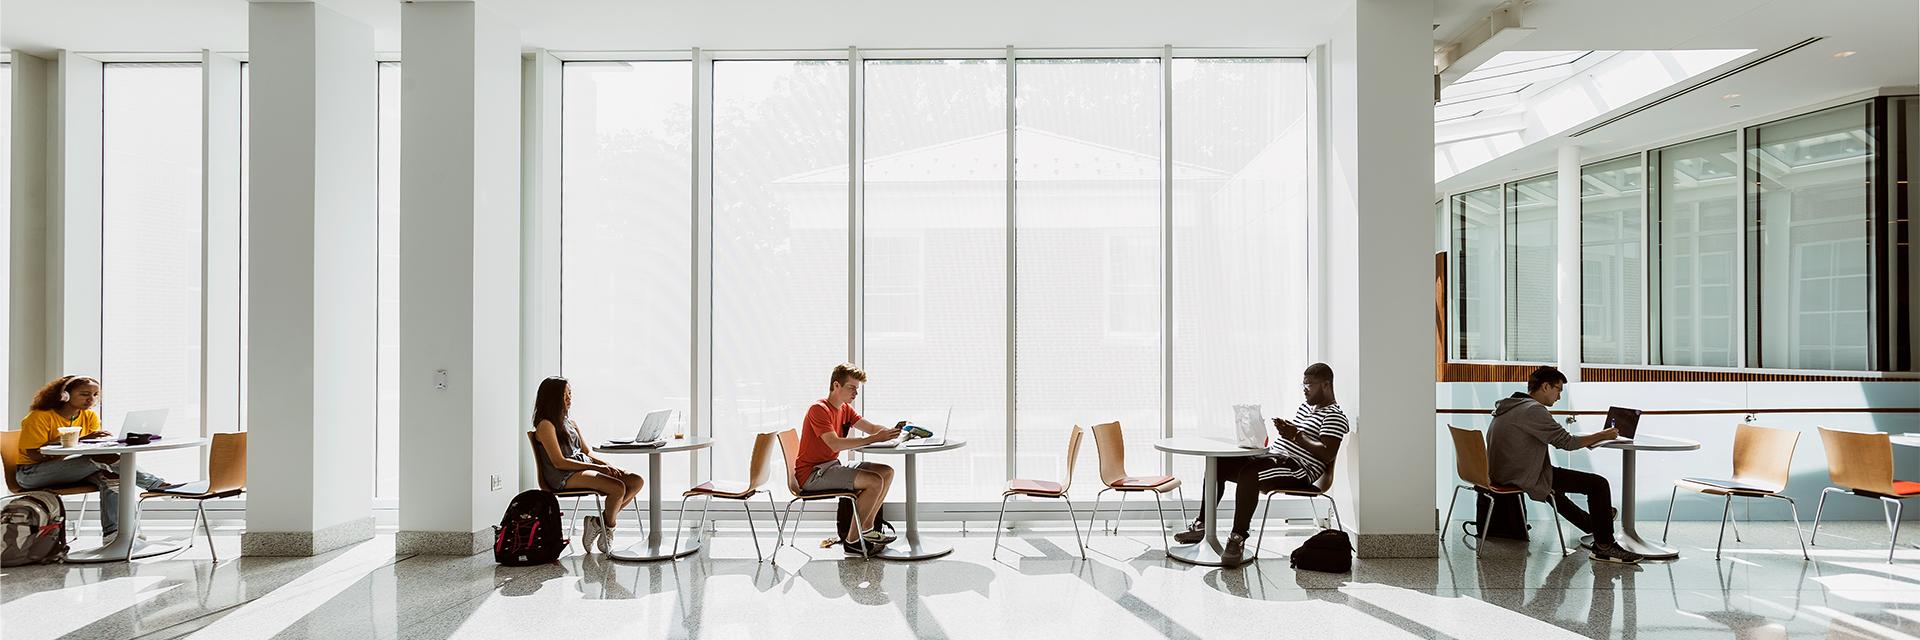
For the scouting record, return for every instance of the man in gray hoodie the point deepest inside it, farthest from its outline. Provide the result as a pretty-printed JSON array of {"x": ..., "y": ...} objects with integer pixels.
[{"x": 1517, "y": 456}]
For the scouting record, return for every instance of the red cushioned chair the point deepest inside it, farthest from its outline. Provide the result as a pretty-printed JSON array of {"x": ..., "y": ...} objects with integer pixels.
[
  {"x": 1862, "y": 464},
  {"x": 1046, "y": 489}
]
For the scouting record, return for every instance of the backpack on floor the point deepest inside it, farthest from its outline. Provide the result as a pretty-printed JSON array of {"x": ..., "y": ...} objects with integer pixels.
[
  {"x": 33, "y": 530},
  {"x": 529, "y": 534},
  {"x": 1509, "y": 521},
  {"x": 1328, "y": 551}
]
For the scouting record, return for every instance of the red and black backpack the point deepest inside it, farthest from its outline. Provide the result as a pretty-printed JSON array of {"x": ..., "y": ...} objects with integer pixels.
[{"x": 530, "y": 532}]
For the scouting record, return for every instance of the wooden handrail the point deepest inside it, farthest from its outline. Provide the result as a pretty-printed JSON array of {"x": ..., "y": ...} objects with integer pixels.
[{"x": 1703, "y": 412}]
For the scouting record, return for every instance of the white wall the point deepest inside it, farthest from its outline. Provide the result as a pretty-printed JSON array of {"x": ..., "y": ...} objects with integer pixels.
[
  {"x": 1657, "y": 471},
  {"x": 27, "y": 317}
]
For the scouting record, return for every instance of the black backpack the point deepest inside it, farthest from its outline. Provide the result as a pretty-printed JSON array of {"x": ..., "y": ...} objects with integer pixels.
[
  {"x": 1328, "y": 551},
  {"x": 33, "y": 530},
  {"x": 1509, "y": 520},
  {"x": 529, "y": 533}
]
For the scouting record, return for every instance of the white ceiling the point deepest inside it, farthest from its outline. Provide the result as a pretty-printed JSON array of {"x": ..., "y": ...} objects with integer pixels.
[
  {"x": 1884, "y": 33},
  {"x": 616, "y": 25}
]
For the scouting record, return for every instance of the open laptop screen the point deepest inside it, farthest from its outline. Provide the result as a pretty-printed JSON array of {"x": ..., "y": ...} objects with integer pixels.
[{"x": 1624, "y": 419}]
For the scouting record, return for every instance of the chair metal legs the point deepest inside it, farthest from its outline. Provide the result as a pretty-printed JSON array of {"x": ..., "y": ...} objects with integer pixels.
[
  {"x": 1160, "y": 516},
  {"x": 865, "y": 550},
  {"x": 680, "y": 521},
  {"x": 1894, "y": 540},
  {"x": 73, "y": 532},
  {"x": 1795, "y": 510},
  {"x": 1671, "y": 495},
  {"x": 1726, "y": 511},
  {"x": 206, "y": 525},
  {"x": 1813, "y": 538},
  {"x": 1073, "y": 518},
  {"x": 1446, "y": 523},
  {"x": 1002, "y": 519}
]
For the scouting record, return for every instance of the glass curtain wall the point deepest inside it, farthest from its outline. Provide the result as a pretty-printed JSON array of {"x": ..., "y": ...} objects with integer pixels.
[
  {"x": 151, "y": 213},
  {"x": 935, "y": 250},
  {"x": 1087, "y": 343},
  {"x": 1532, "y": 206},
  {"x": 1812, "y": 178},
  {"x": 1239, "y": 249},
  {"x": 1612, "y": 264},
  {"x": 779, "y": 247},
  {"x": 627, "y": 271},
  {"x": 1698, "y": 268}
]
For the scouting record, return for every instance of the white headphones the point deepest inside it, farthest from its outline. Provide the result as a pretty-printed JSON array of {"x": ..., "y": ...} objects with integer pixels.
[{"x": 64, "y": 386}]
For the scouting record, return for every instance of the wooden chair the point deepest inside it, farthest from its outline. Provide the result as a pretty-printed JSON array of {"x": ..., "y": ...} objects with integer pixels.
[
  {"x": 1862, "y": 464},
  {"x": 1046, "y": 489},
  {"x": 790, "y": 451},
  {"x": 1470, "y": 463},
  {"x": 1110, "y": 441},
  {"x": 763, "y": 445},
  {"x": 1319, "y": 491},
  {"x": 13, "y": 457},
  {"x": 541, "y": 462},
  {"x": 226, "y": 477},
  {"x": 1762, "y": 463}
]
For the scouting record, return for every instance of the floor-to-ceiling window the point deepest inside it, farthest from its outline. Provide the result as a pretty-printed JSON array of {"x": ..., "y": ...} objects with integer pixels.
[
  {"x": 780, "y": 131},
  {"x": 1812, "y": 176},
  {"x": 386, "y": 469},
  {"x": 627, "y": 271},
  {"x": 1240, "y": 175},
  {"x": 1612, "y": 266},
  {"x": 1088, "y": 169},
  {"x": 935, "y": 262},
  {"x": 151, "y": 212},
  {"x": 929, "y": 312}
]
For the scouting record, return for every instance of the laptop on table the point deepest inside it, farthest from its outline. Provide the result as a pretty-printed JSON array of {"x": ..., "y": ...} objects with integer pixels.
[
  {"x": 651, "y": 428},
  {"x": 1627, "y": 421},
  {"x": 935, "y": 440}
]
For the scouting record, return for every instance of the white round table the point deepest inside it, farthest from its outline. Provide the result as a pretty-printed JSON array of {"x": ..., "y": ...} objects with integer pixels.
[
  {"x": 127, "y": 545},
  {"x": 915, "y": 548},
  {"x": 654, "y": 547},
  {"x": 1629, "y": 538},
  {"x": 1207, "y": 550}
]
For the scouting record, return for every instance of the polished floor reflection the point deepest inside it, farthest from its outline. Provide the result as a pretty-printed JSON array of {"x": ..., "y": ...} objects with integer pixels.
[{"x": 1037, "y": 588}]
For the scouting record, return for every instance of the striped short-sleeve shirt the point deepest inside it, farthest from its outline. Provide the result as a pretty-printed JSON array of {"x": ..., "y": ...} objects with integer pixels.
[{"x": 1323, "y": 423}]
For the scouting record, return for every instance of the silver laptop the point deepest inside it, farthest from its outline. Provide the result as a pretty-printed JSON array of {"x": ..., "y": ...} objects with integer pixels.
[
  {"x": 143, "y": 421},
  {"x": 939, "y": 438},
  {"x": 650, "y": 427}
]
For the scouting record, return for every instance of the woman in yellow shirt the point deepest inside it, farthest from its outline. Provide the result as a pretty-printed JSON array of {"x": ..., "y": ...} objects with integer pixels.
[{"x": 68, "y": 401}]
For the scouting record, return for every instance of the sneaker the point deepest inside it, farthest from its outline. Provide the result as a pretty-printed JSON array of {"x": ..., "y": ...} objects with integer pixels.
[
  {"x": 877, "y": 538},
  {"x": 1195, "y": 532},
  {"x": 590, "y": 529},
  {"x": 1612, "y": 552},
  {"x": 605, "y": 541},
  {"x": 1236, "y": 546}
]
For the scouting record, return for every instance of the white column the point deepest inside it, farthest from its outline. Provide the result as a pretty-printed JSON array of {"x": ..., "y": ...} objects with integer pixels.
[
  {"x": 1378, "y": 153},
  {"x": 312, "y": 287},
  {"x": 28, "y": 363},
  {"x": 73, "y": 227},
  {"x": 220, "y": 257},
  {"x": 540, "y": 236},
  {"x": 1568, "y": 252},
  {"x": 460, "y": 171}
]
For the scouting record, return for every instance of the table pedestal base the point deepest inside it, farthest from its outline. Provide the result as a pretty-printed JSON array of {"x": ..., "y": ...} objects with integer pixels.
[
  {"x": 911, "y": 549},
  {"x": 1201, "y": 553},
  {"x": 116, "y": 553},
  {"x": 652, "y": 550},
  {"x": 1632, "y": 542}
]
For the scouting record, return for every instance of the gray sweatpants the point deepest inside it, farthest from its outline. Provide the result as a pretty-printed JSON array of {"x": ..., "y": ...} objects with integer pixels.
[{"x": 66, "y": 471}]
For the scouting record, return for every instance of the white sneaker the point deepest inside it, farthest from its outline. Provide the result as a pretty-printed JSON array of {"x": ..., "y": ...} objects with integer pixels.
[
  {"x": 605, "y": 541},
  {"x": 589, "y": 530}
]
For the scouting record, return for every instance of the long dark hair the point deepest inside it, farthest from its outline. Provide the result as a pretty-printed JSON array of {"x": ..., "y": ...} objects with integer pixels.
[{"x": 550, "y": 403}]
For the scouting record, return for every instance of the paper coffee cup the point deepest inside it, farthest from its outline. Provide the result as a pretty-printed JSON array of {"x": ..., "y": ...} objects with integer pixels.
[{"x": 69, "y": 436}]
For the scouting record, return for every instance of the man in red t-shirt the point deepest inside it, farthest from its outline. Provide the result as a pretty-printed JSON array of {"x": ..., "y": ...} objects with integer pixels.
[{"x": 817, "y": 467}]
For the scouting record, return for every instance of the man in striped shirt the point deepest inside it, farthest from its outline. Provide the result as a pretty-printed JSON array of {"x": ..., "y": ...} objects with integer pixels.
[{"x": 1296, "y": 460}]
